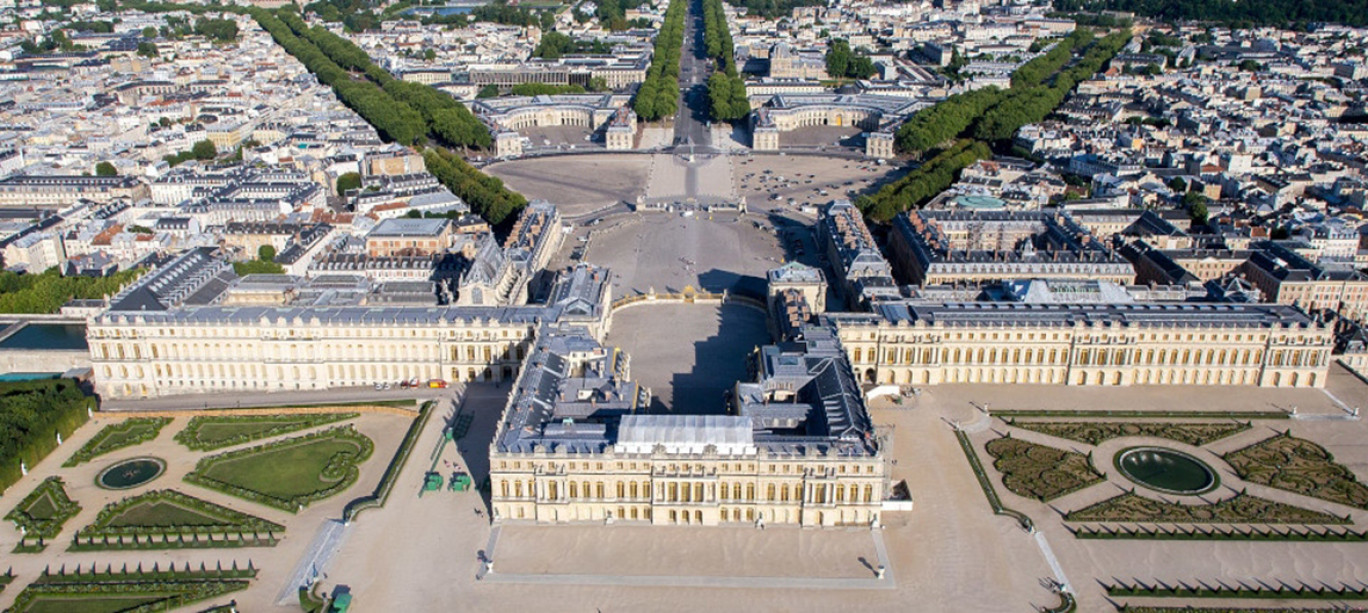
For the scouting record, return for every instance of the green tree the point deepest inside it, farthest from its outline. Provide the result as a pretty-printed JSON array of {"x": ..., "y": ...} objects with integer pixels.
[
  {"x": 204, "y": 150},
  {"x": 1178, "y": 185},
  {"x": 838, "y": 58},
  {"x": 598, "y": 84},
  {"x": 149, "y": 32},
  {"x": 348, "y": 181},
  {"x": 488, "y": 91},
  {"x": 1197, "y": 207},
  {"x": 266, "y": 253},
  {"x": 147, "y": 49},
  {"x": 429, "y": 54},
  {"x": 105, "y": 169},
  {"x": 218, "y": 30},
  {"x": 1250, "y": 66}
]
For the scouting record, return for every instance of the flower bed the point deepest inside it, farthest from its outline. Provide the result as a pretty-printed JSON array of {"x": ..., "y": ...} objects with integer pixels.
[
  {"x": 1300, "y": 466},
  {"x": 1093, "y": 433},
  {"x": 1038, "y": 471},
  {"x": 1241, "y": 509}
]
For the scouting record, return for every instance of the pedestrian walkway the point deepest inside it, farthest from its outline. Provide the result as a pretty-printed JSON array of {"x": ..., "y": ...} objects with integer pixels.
[
  {"x": 873, "y": 582},
  {"x": 327, "y": 541}
]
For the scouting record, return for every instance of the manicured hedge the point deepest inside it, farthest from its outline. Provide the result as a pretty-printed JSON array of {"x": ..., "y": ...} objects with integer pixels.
[
  {"x": 1202, "y": 590},
  {"x": 1240, "y": 509},
  {"x": 1040, "y": 472},
  {"x": 32, "y": 415},
  {"x": 193, "y": 437},
  {"x": 46, "y": 523},
  {"x": 113, "y": 437},
  {"x": 382, "y": 490},
  {"x": 1093, "y": 433},
  {"x": 220, "y": 520},
  {"x": 987, "y": 484},
  {"x": 1301, "y": 466},
  {"x": 164, "y": 589},
  {"x": 1220, "y": 533},
  {"x": 341, "y": 467}
]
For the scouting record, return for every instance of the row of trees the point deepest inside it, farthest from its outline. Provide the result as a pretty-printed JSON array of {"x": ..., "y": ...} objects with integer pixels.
[
  {"x": 1032, "y": 103},
  {"x": 1237, "y": 13},
  {"x": 774, "y": 9},
  {"x": 922, "y": 184},
  {"x": 415, "y": 109},
  {"x": 394, "y": 120},
  {"x": 726, "y": 91},
  {"x": 1043, "y": 66},
  {"x": 422, "y": 108},
  {"x": 995, "y": 114},
  {"x": 945, "y": 120},
  {"x": 658, "y": 95},
  {"x": 486, "y": 195}
]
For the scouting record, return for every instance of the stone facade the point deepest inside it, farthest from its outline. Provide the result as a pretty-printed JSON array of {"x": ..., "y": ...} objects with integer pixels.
[{"x": 1072, "y": 344}]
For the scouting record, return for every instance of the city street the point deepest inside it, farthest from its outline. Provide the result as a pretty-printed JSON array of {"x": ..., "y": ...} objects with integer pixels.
[{"x": 691, "y": 123}]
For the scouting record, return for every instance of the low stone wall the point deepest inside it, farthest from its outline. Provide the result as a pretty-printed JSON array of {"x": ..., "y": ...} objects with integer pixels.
[
  {"x": 687, "y": 297},
  {"x": 42, "y": 360}
]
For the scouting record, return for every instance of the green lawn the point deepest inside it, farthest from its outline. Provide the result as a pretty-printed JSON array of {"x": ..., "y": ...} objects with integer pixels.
[
  {"x": 174, "y": 513},
  {"x": 283, "y": 472},
  {"x": 162, "y": 514},
  {"x": 42, "y": 508},
  {"x": 291, "y": 473},
  {"x": 115, "y": 593},
  {"x": 216, "y": 432},
  {"x": 111, "y": 603},
  {"x": 118, "y": 436}
]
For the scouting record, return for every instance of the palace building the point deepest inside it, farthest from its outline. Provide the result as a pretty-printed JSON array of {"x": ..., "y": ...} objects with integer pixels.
[
  {"x": 953, "y": 246},
  {"x": 796, "y": 447},
  {"x": 911, "y": 343}
]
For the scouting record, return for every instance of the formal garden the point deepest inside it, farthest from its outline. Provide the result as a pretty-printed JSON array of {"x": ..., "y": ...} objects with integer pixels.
[
  {"x": 1093, "y": 432},
  {"x": 1040, "y": 472},
  {"x": 1303, "y": 534},
  {"x": 167, "y": 519},
  {"x": 1201, "y": 589},
  {"x": 1300, "y": 466},
  {"x": 41, "y": 514},
  {"x": 114, "y": 437},
  {"x": 92, "y": 590},
  {"x": 1219, "y": 609},
  {"x": 1239, "y": 509},
  {"x": 288, "y": 474},
  {"x": 208, "y": 433}
]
